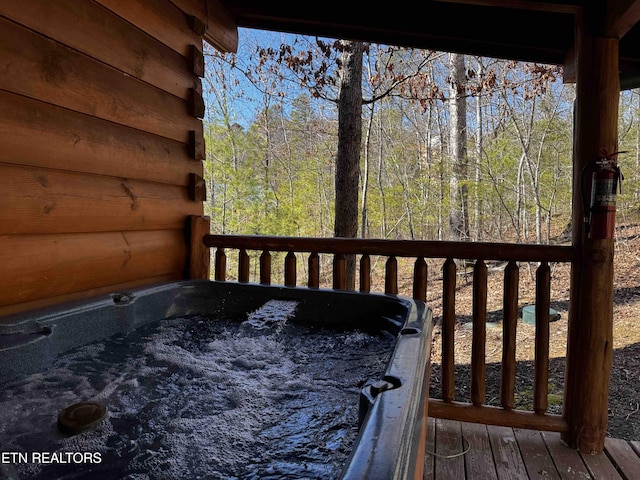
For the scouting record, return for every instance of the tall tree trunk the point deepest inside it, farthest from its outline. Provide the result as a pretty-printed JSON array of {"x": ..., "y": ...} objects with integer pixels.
[
  {"x": 479, "y": 133},
  {"x": 426, "y": 195},
  {"x": 383, "y": 199},
  {"x": 441, "y": 178},
  {"x": 349, "y": 142},
  {"x": 520, "y": 198},
  {"x": 458, "y": 190},
  {"x": 365, "y": 176}
]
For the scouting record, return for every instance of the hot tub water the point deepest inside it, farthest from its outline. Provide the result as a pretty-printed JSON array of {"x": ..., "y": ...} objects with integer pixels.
[{"x": 264, "y": 398}]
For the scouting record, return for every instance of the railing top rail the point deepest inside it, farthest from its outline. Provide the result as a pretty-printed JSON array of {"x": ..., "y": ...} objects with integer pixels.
[{"x": 397, "y": 248}]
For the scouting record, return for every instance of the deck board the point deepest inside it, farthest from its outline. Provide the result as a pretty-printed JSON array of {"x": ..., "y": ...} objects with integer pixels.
[
  {"x": 449, "y": 458},
  {"x": 535, "y": 455},
  {"x": 509, "y": 463},
  {"x": 466, "y": 451},
  {"x": 479, "y": 458},
  {"x": 568, "y": 461},
  {"x": 623, "y": 455},
  {"x": 601, "y": 467},
  {"x": 429, "y": 459}
]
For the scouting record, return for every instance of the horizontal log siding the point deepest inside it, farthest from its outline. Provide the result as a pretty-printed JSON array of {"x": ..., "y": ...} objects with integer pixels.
[
  {"x": 42, "y": 69},
  {"x": 18, "y": 308},
  {"x": 50, "y": 265},
  {"x": 153, "y": 16},
  {"x": 39, "y": 134},
  {"x": 38, "y": 200},
  {"x": 100, "y": 134},
  {"x": 114, "y": 42}
]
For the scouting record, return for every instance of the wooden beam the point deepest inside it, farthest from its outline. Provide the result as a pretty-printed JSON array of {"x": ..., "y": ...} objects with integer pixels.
[
  {"x": 199, "y": 255},
  {"x": 398, "y": 248},
  {"x": 489, "y": 415},
  {"x": 197, "y": 189},
  {"x": 540, "y": 5},
  {"x": 569, "y": 72},
  {"x": 621, "y": 17},
  {"x": 590, "y": 338},
  {"x": 221, "y": 30}
]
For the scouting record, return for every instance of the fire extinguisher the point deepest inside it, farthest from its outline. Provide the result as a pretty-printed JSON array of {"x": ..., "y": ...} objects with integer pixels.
[{"x": 600, "y": 210}]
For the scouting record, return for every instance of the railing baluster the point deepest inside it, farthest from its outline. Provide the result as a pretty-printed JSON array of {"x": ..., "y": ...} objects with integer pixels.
[
  {"x": 543, "y": 294},
  {"x": 290, "y": 270},
  {"x": 391, "y": 276},
  {"x": 365, "y": 273},
  {"x": 420, "y": 279},
  {"x": 314, "y": 270},
  {"x": 478, "y": 343},
  {"x": 243, "y": 266},
  {"x": 448, "y": 327},
  {"x": 339, "y": 271},
  {"x": 509, "y": 323},
  {"x": 265, "y": 268},
  {"x": 220, "y": 273}
]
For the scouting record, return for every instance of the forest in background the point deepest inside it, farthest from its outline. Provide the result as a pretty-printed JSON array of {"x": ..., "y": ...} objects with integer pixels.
[
  {"x": 271, "y": 133},
  {"x": 271, "y": 159}
]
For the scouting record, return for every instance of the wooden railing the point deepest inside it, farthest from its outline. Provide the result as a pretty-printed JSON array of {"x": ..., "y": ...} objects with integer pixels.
[{"x": 476, "y": 410}]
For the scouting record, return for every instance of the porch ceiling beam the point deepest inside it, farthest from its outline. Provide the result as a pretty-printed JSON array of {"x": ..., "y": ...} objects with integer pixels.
[
  {"x": 621, "y": 17},
  {"x": 564, "y": 6},
  {"x": 214, "y": 22},
  {"x": 222, "y": 31}
]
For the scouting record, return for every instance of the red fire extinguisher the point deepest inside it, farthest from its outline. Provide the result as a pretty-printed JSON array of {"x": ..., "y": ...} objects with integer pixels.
[{"x": 600, "y": 211}]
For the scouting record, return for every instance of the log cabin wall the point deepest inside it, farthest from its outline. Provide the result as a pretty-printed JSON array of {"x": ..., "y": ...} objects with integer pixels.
[{"x": 100, "y": 146}]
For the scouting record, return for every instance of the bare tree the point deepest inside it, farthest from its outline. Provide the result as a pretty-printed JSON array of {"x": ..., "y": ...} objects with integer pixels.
[
  {"x": 478, "y": 163},
  {"x": 349, "y": 142},
  {"x": 458, "y": 190}
]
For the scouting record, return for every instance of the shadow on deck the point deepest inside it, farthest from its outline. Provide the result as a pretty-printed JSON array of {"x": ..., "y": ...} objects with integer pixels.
[{"x": 457, "y": 451}]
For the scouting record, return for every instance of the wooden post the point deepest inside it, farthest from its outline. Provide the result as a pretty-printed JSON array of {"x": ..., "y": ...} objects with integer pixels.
[
  {"x": 420, "y": 270},
  {"x": 541, "y": 359},
  {"x": 199, "y": 257},
  {"x": 479, "y": 335},
  {"x": 589, "y": 351},
  {"x": 243, "y": 266},
  {"x": 391, "y": 276},
  {"x": 290, "y": 270},
  {"x": 265, "y": 267},
  {"x": 448, "y": 329},
  {"x": 314, "y": 270},
  {"x": 220, "y": 268},
  {"x": 365, "y": 273},
  {"x": 509, "y": 327}
]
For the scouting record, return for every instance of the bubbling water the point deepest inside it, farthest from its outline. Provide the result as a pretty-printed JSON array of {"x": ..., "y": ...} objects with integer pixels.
[{"x": 263, "y": 398}]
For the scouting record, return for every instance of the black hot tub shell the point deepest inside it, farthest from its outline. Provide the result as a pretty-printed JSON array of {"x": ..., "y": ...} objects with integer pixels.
[{"x": 392, "y": 409}]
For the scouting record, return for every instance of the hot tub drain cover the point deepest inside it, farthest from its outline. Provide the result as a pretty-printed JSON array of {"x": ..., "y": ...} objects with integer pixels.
[{"x": 81, "y": 416}]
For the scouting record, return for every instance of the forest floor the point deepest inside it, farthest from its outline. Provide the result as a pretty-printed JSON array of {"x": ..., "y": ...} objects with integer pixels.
[{"x": 624, "y": 397}]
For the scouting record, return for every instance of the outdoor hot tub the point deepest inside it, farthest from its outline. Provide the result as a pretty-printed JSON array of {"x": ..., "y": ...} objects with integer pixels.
[{"x": 204, "y": 379}]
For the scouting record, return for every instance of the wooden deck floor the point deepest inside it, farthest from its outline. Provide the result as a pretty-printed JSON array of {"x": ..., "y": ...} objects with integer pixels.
[{"x": 507, "y": 453}]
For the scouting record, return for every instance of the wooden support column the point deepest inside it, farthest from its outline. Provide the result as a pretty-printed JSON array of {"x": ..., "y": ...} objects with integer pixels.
[
  {"x": 589, "y": 352},
  {"x": 199, "y": 258}
]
